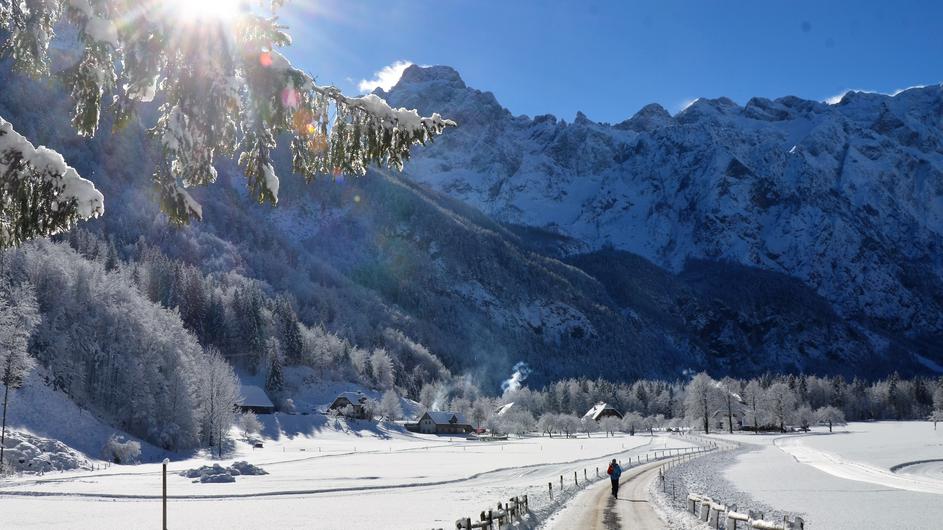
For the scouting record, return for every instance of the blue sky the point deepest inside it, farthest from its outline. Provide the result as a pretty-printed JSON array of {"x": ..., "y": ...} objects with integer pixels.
[{"x": 610, "y": 58}]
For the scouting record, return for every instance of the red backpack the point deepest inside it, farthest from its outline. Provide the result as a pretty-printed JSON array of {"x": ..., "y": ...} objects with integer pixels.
[{"x": 609, "y": 471}]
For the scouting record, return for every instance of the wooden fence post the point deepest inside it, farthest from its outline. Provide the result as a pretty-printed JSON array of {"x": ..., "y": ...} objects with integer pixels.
[
  {"x": 574, "y": 479},
  {"x": 550, "y": 487},
  {"x": 584, "y": 473}
]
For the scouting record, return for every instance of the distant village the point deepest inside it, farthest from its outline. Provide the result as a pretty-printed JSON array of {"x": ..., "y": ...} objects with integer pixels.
[{"x": 355, "y": 405}]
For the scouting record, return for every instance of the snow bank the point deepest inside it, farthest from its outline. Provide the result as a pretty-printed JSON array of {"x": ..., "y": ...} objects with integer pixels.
[
  {"x": 217, "y": 474},
  {"x": 35, "y": 454}
]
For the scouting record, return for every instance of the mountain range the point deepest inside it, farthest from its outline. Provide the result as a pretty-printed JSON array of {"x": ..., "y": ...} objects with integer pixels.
[{"x": 785, "y": 236}]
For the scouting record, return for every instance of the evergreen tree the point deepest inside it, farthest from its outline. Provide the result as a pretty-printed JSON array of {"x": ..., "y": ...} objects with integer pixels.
[
  {"x": 291, "y": 340},
  {"x": 39, "y": 194},
  {"x": 274, "y": 380},
  {"x": 226, "y": 91}
]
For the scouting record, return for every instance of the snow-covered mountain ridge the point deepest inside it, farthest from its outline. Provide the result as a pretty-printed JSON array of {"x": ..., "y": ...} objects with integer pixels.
[{"x": 848, "y": 198}]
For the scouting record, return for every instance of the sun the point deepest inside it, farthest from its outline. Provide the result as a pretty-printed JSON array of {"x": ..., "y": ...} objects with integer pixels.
[{"x": 203, "y": 9}]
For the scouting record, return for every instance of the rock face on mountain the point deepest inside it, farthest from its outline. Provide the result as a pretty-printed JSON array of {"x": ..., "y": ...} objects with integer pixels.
[
  {"x": 847, "y": 198},
  {"x": 656, "y": 247}
]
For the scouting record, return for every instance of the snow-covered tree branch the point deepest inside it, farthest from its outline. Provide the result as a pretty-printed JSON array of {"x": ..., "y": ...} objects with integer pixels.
[
  {"x": 40, "y": 195},
  {"x": 225, "y": 91}
]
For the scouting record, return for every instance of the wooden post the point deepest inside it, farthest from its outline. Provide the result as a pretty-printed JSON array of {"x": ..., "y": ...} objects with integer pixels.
[
  {"x": 526, "y": 506},
  {"x": 561, "y": 482},
  {"x": 550, "y": 487},
  {"x": 574, "y": 479},
  {"x": 584, "y": 473},
  {"x": 597, "y": 471},
  {"x": 164, "y": 519}
]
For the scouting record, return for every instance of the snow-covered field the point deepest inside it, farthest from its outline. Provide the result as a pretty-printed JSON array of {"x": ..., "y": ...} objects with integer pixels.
[
  {"x": 324, "y": 476},
  {"x": 845, "y": 480}
]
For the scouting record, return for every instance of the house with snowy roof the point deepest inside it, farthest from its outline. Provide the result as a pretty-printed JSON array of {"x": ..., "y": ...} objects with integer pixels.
[
  {"x": 254, "y": 399},
  {"x": 354, "y": 400},
  {"x": 602, "y": 410},
  {"x": 441, "y": 422}
]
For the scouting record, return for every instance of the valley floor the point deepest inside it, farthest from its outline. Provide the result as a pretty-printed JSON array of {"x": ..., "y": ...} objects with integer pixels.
[
  {"x": 326, "y": 474},
  {"x": 329, "y": 478}
]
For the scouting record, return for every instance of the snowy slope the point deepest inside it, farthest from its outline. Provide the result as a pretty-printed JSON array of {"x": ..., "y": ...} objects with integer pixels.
[{"x": 848, "y": 198}]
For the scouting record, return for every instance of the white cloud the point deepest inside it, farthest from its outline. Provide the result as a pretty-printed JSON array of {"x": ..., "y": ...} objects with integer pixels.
[{"x": 385, "y": 78}]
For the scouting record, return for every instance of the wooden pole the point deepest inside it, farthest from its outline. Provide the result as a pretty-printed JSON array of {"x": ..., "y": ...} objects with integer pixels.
[
  {"x": 164, "y": 520},
  {"x": 550, "y": 487},
  {"x": 574, "y": 479}
]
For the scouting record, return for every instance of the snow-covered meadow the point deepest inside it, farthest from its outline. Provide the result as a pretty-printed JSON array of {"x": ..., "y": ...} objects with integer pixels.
[
  {"x": 851, "y": 478},
  {"x": 322, "y": 473}
]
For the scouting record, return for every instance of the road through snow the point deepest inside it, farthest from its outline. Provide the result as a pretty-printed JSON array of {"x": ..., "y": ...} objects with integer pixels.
[{"x": 596, "y": 509}]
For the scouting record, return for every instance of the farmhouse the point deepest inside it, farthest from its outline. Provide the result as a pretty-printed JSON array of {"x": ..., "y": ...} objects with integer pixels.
[
  {"x": 254, "y": 399},
  {"x": 436, "y": 422},
  {"x": 354, "y": 400},
  {"x": 602, "y": 410}
]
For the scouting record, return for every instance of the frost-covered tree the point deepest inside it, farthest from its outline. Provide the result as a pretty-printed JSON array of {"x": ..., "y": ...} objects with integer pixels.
[
  {"x": 610, "y": 424},
  {"x": 631, "y": 423},
  {"x": 781, "y": 402},
  {"x": 753, "y": 396},
  {"x": 729, "y": 388},
  {"x": 481, "y": 411},
  {"x": 702, "y": 400},
  {"x": 390, "y": 406},
  {"x": 218, "y": 391},
  {"x": 518, "y": 420},
  {"x": 249, "y": 424},
  {"x": 568, "y": 424},
  {"x": 225, "y": 91},
  {"x": 18, "y": 317},
  {"x": 381, "y": 366},
  {"x": 805, "y": 417},
  {"x": 547, "y": 423},
  {"x": 588, "y": 425},
  {"x": 830, "y": 416}
]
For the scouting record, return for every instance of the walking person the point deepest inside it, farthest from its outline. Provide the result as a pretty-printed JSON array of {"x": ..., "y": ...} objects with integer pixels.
[{"x": 614, "y": 472}]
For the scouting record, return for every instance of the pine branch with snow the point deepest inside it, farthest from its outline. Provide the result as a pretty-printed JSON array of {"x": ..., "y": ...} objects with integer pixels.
[
  {"x": 40, "y": 195},
  {"x": 226, "y": 91}
]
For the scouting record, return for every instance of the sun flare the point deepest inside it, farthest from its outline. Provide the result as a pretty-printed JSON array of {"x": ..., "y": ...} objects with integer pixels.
[{"x": 204, "y": 9}]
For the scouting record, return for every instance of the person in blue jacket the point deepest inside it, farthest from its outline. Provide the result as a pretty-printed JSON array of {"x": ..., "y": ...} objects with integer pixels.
[{"x": 614, "y": 472}]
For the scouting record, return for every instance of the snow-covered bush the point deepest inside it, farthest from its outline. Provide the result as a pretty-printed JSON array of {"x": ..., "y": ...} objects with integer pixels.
[
  {"x": 249, "y": 424},
  {"x": 217, "y": 474},
  {"x": 288, "y": 405},
  {"x": 120, "y": 450}
]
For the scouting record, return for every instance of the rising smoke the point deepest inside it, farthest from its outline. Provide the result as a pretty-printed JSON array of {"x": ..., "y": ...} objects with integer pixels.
[{"x": 521, "y": 371}]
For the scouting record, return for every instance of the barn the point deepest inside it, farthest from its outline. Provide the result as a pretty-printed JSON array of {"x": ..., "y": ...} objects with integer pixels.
[
  {"x": 602, "y": 410},
  {"x": 441, "y": 422},
  {"x": 355, "y": 400},
  {"x": 254, "y": 399}
]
